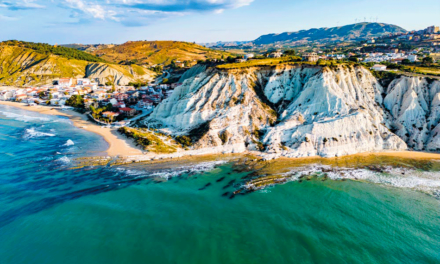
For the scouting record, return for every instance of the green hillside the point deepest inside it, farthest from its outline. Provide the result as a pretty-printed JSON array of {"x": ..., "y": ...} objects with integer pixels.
[
  {"x": 158, "y": 52},
  {"x": 28, "y": 64},
  {"x": 46, "y": 49}
]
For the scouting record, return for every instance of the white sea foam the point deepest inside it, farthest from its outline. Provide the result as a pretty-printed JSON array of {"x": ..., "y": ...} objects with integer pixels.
[
  {"x": 425, "y": 181},
  {"x": 33, "y": 133},
  {"x": 25, "y": 118},
  {"x": 64, "y": 160},
  {"x": 69, "y": 143},
  {"x": 173, "y": 172}
]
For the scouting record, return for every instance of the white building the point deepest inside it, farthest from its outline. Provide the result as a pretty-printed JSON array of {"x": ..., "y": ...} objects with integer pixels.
[
  {"x": 249, "y": 56},
  {"x": 83, "y": 81},
  {"x": 412, "y": 58},
  {"x": 379, "y": 67}
]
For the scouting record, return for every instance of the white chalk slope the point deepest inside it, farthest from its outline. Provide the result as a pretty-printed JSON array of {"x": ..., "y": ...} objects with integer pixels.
[{"x": 298, "y": 111}]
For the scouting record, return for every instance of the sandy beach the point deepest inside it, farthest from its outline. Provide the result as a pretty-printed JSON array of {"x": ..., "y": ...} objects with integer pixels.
[{"x": 118, "y": 144}]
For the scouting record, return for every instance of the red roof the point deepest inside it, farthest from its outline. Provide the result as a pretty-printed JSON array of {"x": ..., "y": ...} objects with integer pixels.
[{"x": 126, "y": 109}]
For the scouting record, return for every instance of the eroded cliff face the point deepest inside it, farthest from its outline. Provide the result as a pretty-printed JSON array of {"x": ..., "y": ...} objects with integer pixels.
[
  {"x": 414, "y": 104},
  {"x": 118, "y": 74},
  {"x": 298, "y": 111}
]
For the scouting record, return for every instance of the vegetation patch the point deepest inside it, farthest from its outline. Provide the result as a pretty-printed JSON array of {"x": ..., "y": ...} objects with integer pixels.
[
  {"x": 147, "y": 140},
  {"x": 47, "y": 49}
]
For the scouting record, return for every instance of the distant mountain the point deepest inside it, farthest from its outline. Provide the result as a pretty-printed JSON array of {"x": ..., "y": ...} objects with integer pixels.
[
  {"x": 354, "y": 32},
  {"x": 225, "y": 43},
  {"x": 157, "y": 52}
]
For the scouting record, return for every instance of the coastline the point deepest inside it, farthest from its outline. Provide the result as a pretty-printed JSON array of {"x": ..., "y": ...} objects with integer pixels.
[
  {"x": 118, "y": 144},
  {"x": 121, "y": 146}
]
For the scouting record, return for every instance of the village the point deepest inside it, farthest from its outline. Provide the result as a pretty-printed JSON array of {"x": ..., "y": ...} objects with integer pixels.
[
  {"x": 399, "y": 48},
  {"x": 104, "y": 104}
]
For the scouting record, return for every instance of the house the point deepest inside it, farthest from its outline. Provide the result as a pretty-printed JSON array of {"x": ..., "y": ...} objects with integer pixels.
[
  {"x": 311, "y": 57},
  {"x": 127, "y": 111},
  {"x": 6, "y": 96},
  {"x": 20, "y": 97},
  {"x": 83, "y": 81},
  {"x": 110, "y": 115},
  {"x": 239, "y": 60},
  {"x": 145, "y": 103},
  {"x": 65, "y": 82},
  {"x": 119, "y": 105},
  {"x": 249, "y": 56},
  {"x": 412, "y": 58},
  {"x": 379, "y": 67},
  {"x": 397, "y": 60},
  {"x": 113, "y": 101},
  {"x": 276, "y": 54}
]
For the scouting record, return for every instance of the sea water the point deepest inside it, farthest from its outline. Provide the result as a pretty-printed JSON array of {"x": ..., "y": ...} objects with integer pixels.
[{"x": 51, "y": 212}]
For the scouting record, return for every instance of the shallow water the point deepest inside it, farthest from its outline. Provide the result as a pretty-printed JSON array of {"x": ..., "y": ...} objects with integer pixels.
[{"x": 177, "y": 212}]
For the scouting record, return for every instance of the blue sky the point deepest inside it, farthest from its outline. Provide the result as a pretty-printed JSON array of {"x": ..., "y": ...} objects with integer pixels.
[{"x": 117, "y": 21}]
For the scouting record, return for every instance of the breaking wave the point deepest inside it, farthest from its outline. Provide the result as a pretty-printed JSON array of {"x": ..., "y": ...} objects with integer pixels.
[
  {"x": 69, "y": 143},
  {"x": 64, "y": 160},
  {"x": 424, "y": 181},
  {"x": 173, "y": 172},
  {"x": 25, "y": 118},
  {"x": 33, "y": 133}
]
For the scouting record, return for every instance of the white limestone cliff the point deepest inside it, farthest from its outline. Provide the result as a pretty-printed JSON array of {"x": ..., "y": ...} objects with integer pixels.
[{"x": 298, "y": 111}]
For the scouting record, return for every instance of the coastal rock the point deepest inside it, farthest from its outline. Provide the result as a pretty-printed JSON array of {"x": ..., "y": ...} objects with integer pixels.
[{"x": 302, "y": 110}]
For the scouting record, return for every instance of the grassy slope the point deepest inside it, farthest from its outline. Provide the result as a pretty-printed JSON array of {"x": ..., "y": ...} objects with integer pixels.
[
  {"x": 158, "y": 52},
  {"x": 19, "y": 66}
]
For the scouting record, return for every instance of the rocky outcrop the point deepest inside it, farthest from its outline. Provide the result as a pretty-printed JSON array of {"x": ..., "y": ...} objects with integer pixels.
[
  {"x": 414, "y": 104},
  {"x": 193, "y": 71},
  {"x": 118, "y": 74},
  {"x": 298, "y": 111}
]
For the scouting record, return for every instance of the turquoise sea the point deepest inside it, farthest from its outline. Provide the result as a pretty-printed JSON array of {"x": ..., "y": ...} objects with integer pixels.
[{"x": 183, "y": 212}]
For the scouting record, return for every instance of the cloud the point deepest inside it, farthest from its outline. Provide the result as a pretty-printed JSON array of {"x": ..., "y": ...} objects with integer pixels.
[
  {"x": 127, "y": 12},
  {"x": 183, "y": 6},
  {"x": 92, "y": 9},
  {"x": 16, "y": 5},
  {"x": 142, "y": 12}
]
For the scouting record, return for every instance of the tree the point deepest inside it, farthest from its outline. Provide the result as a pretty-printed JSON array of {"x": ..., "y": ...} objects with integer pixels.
[
  {"x": 290, "y": 52},
  {"x": 428, "y": 60},
  {"x": 75, "y": 101},
  {"x": 353, "y": 59},
  {"x": 41, "y": 94},
  {"x": 406, "y": 61}
]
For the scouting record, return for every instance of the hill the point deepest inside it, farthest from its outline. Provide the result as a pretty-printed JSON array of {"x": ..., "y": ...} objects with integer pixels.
[
  {"x": 157, "y": 52},
  {"x": 26, "y": 64},
  {"x": 46, "y": 49},
  {"x": 354, "y": 32}
]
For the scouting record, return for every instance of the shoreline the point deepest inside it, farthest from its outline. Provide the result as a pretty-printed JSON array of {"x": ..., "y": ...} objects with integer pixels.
[{"x": 120, "y": 146}]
